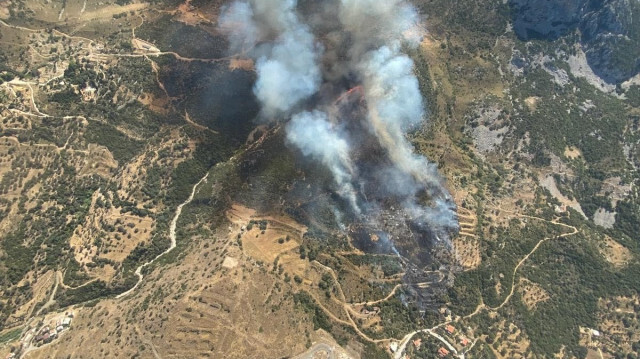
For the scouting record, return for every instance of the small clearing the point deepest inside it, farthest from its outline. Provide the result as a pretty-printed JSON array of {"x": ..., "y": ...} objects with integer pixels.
[
  {"x": 279, "y": 237},
  {"x": 230, "y": 262},
  {"x": 604, "y": 218},
  {"x": 615, "y": 253},
  {"x": 100, "y": 161},
  {"x": 156, "y": 104},
  {"x": 241, "y": 64},
  {"x": 4, "y": 10},
  {"x": 532, "y": 293},
  {"x": 571, "y": 152},
  {"x": 467, "y": 252},
  {"x": 532, "y": 102}
]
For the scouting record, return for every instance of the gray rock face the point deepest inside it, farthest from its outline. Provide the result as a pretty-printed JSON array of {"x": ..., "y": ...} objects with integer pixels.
[
  {"x": 610, "y": 30},
  {"x": 612, "y": 17},
  {"x": 547, "y": 19}
]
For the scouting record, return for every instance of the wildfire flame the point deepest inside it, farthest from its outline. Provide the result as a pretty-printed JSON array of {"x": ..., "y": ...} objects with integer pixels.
[{"x": 357, "y": 89}]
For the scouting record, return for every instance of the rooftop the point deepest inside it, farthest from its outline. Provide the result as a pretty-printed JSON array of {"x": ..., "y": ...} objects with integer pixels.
[{"x": 450, "y": 328}]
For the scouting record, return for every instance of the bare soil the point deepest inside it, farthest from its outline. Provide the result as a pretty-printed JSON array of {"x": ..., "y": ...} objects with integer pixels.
[
  {"x": 572, "y": 152},
  {"x": 532, "y": 293},
  {"x": 615, "y": 253}
]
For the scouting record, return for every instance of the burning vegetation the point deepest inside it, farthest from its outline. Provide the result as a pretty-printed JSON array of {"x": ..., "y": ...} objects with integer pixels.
[{"x": 336, "y": 75}]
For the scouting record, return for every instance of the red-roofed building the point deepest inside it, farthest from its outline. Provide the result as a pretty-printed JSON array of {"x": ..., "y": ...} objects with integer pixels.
[
  {"x": 442, "y": 352},
  {"x": 450, "y": 329},
  {"x": 417, "y": 343},
  {"x": 464, "y": 341}
]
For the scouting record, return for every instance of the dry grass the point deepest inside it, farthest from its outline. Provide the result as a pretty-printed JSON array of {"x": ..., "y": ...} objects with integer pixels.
[
  {"x": 532, "y": 293},
  {"x": 467, "y": 252},
  {"x": 4, "y": 9},
  {"x": 572, "y": 152},
  {"x": 195, "y": 308},
  {"x": 115, "y": 245},
  {"x": 191, "y": 15},
  {"x": 241, "y": 64},
  {"x": 99, "y": 161},
  {"x": 264, "y": 245},
  {"x": 159, "y": 105},
  {"x": 532, "y": 102},
  {"x": 41, "y": 287},
  {"x": 619, "y": 325},
  {"x": 615, "y": 253},
  {"x": 466, "y": 244},
  {"x": 515, "y": 344}
]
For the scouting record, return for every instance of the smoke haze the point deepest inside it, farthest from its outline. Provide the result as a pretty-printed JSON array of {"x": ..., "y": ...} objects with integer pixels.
[
  {"x": 317, "y": 138},
  {"x": 236, "y": 21},
  {"x": 351, "y": 96},
  {"x": 287, "y": 61}
]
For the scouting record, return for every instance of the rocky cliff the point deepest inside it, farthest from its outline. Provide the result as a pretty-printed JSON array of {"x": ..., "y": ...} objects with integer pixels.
[{"x": 609, "y": 30}]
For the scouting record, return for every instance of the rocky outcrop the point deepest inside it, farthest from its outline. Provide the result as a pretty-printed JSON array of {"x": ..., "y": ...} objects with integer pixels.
[
  {"x": 545, "y": 19},
  {"x": 609, "y": 30}
]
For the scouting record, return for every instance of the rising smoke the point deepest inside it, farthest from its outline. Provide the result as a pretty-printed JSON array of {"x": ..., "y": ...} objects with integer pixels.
[
  {"x": 304, "y": 63},
  {"x": 286, "y": 61},
  {"x": 319, "y": 139}
]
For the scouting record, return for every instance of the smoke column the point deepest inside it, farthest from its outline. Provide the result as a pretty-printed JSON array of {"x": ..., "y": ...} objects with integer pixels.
[
  {"x": 302, "y": 67},
  {"x": 317, "y": 138},
  {"x": 286, "y": 62}
]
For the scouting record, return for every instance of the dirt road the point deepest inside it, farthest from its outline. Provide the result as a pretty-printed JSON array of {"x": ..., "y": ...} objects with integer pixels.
[{"x": 172, "y": 237}]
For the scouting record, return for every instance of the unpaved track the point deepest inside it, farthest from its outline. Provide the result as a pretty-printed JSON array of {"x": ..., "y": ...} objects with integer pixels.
[
  {"x": 482, "y": 306},
  {"x": 316, "y": 349},
  {"x": 52, "y": 297},
  {"x": 391, "y": 294},
  {"x": 574, "y": 230},
  {"x": 145, "y": 340},
  {"x": 172, "y": 236},
  {"x": 60, "y": 278}
]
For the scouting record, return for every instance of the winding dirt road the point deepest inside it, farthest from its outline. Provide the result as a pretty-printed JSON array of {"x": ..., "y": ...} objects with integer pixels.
[
  {"x": 574, "y": 230},
  {"x": 482, "y": 306},
  {"x": 172, "y": 236},
  {"x": 403, "y": 342}
]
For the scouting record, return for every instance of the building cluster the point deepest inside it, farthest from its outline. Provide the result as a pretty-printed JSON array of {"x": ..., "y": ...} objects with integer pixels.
[
  {"x": 42, "y": 334},
  {"x": 461, "y": 339},
  {"x": 455, "y": 341},
  {"x": 49, "y": 333},
  {"x": 442, "y": 352}
]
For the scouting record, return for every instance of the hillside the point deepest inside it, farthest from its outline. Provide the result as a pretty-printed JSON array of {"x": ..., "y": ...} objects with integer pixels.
[{"x": 155, "y": 197}]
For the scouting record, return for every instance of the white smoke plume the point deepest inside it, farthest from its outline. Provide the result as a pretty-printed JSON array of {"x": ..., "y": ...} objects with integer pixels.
[
  {"x": 289, "y": 74},
  {"x": 319, "y": 139},
  {"x": 287, "y": 66},
  {"x": 375, "y": 22},
  {"x": 347, "y": 43},
  {"x": 395, "y": 108},
  {"x": 236, "y": 22},
  {"x": 395, "y": 104}
]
